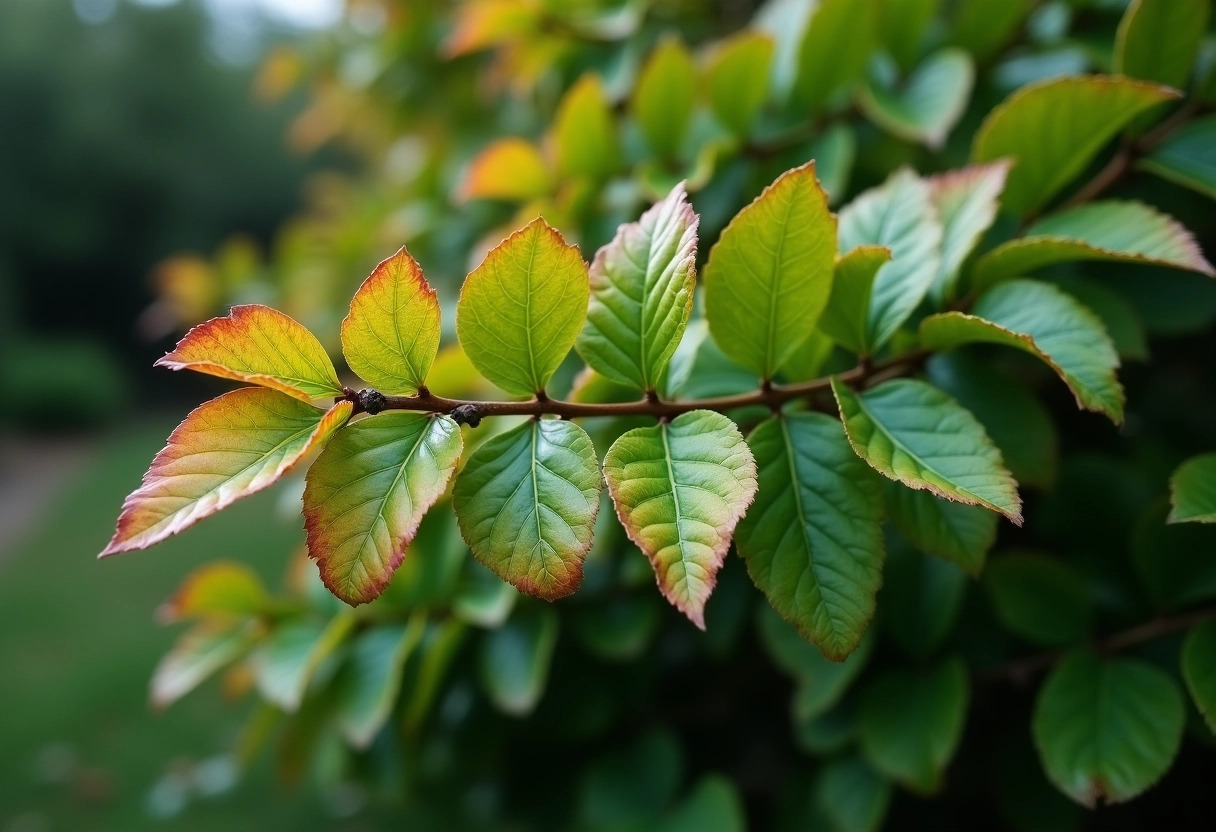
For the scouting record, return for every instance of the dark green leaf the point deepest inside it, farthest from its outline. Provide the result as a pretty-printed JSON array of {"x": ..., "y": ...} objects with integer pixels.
[
  {"x": 959, "y": 533},
  {"x": 1199, "y": 668},
  {"x": 1042, "y": 599}
]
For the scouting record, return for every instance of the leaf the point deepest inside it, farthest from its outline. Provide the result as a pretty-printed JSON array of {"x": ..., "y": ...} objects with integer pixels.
[
  {"x": 1158, "y": 40},
  {"x": 259, "y": 345},
  {"x": 966, "y": 202},
  {"x": 510, "y": 169},
  {"x": 522, "y": 308},
  {"x": 1193, "y": 491},
  {"x": 899, "y": 215},
  {"x": 1041, "y": 599},
  {"x": 663, "y": 97},
  {"x": 368, "y": 491},
  {"x": 834, "y": 51},
  {"x": 628, "y": 788},
  {"x": 844, "y": 318},
  {"x": 1107, "y": 729},
  {"x": 1199, "y": 668},
  {"x": 1174, "y": 562},
  {"x": 484, "y": 23},
  {"x": 921, "y": 595},
  {"x": 851, "y": 795},
  {"x": 1040, "y": 319},
  {"x": 287, "y": 660},
  {"x": 912, "y": 722},
  {"x": 391, "y": 336},
  {"x": 959, "y": 533},
  {"x": 679, "y": 488},
  {"x": 1129, "y": 232},
  {"x": 902, "y": 26},
  {"x": 813, "y": 539},
  {"x": 1187, "y": 157},
  {"x": 834, "y": 151},
  {"x": 1119, "y": 317},
  {"x": 769, "y": 275},
  {"x": 218, "y": 589},
  {"x": 619, "y": 629},
  {"x": 196, "y": 656},
  {"x": 367, "y": 685},
  {"x": 982, "y": 28},
  {"x": 584, "y": 135},
  {"x": 514, "y": 660},
  {"x": 821, "y": 682},
  {"x": 526, "y": 503},
  {"x": 226, "y": 449},
  {"x": 737, "y": 79},
  {"x": 641, "y": 294},
  {"x": 483, "y": 600},
  {"x": 925, "y": 106},
  {"x": 1054, "y": 128},
  {"x": 913, "y": 433},
  {"x": 713, "y": 805}
]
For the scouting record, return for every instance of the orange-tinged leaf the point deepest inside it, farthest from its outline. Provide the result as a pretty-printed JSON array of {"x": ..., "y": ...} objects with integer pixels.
[
  {"x": 226, "y": 449},
  {"x": 511, "y": 169},
  {"x": 484, "y": 23},
  {"x": 262, "y": 346},
  {"x": 391, "y": 335},
  {"x": 219, "y": 589}
]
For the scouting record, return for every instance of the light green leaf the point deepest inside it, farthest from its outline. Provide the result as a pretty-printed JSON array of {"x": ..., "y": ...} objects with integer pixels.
[
  {"x": 844, "y": 319},
  {"x": 367, "y": 685},
  {"x": 1054, "y": 128},
  {"x": 839, "y": 39},
  {"x": 514, "y": 660},
  {"x": 737, "y": 79},
  {"x": 1042, "y": 599},
  {"x": 584, "y": 135},
  {"x": 196, "y": 656},
  {"x": 821, "y": 682},
  {"x": 483, "y": 600},
  {"x": 285, "y": 663},
  {"x": 713, "y": 805},
  {"x": 834, "y": 151},
  {"x": 1040, "y": 319},
  {"x": 679, "y": 488},
  {"x": 1129, "y": 232},
  {"x": 899, "y": 215},
  {"x": 921, "y": 595},
  {"x": 1187, "y": 157},
  {"x": 521, "y": 309},
  {"x": 959, "y": 533},
  {"x": 1107, "y": 729},
  {"x": 769, "y": 275},
  {"x": 1199, "y": 668},
  {"x": 526, "y": 503},
  {"x": 851, "y": 795},
  {"x": 663, "y": 98},
  {"x": 1158, "y": 40},
  {"x": 914, "y": 433},
  {"x": 966, "y": 202},
  {"x": 368, "y": 491},
  {"x": 1193, "y": 491},
  {"x": 912, "y": 722},
  {"x": 813, "y": 540},
  {"x": 925, "y": 106},
  {"x": 641, "y": 294}
]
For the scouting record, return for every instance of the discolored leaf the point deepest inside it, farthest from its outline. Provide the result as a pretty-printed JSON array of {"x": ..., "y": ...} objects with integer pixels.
[
  {"x": 1199, "y": 668},
  {"x": 510, "y": 169},
  {"x": 521, "y": 309},
  {"x": 368, "y": 491},
  {"x": 226, "y": 449},
  {"x": 913, "y": 433},
  {"x": 1193, "y": 491},
  {"x": 813, "y": 539},
  {"x": 218, "y": 589},
  {"x": 367, "y": 684},
  {"x": 584, "y": 135},
  {"x": 196, "y": 656},
  {"x": 839, "y": 39},
  {"x": 844, "y": 318},
  {"x": 1042, "y": 599},
  {"x": 679, "y": 488},
  {"x": 514, "y": 660},
  {"x": 737, "y": 79},
  {"x": 663, "y": 97},
  {"x": 966, "y": 202},
  {"x": 526, "y": 502},
  {"x": 1158, "y": 40},
  {"x": 1187, "y": 157},
  {"x": 484, "y": 23},
  {"x": 259, "y": 345},
  {"x": 959, "y": 533},
  {"x": 925, "y": 106}
]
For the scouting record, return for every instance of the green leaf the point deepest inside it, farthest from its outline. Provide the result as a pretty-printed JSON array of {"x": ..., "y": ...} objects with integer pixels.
[
  {"x": 1129, "y": 232},
  {"x": 1199, "y": 668},
  {"x": 1187, "y": 157},
  {"x": 839, "y": 39},
  {"x": 813, "y": 540},
  {"x": 619, "y": 629},
  {"x": 483, "y": 600},
  {"x": 1119, "y": 317},
  {"x": 663, "y": 98},
  {"x": 628, "y": 788},
  {"x": 286, "y": 662},
  {"x": 641, "y": 294},
  {"x": 713, "y": 805},
  {"x": 982, "y": 28},
  {"x": 584, "y": 135},
  {"x": 217, "y": 590},
  {"x": 737, "y": 79},
  {"x": 844, "y": 318},
  {"x": 1040, "y": 319},
  {"x": 526, "y": 503},
  {"x": 1055, "y": 128},
  {"x": 391, "y": 335},
  {"x": 1158, "y": 40},
  {"x": 1174, "y": 562},
  {"x": 921, "y": 596},
  {"x": 769, "y": 275},
  {"x": 1107, "y": 729},
  {"x": 899, "y": 215},
  {"x": 514, "y": 660},
  {"x": 1041, "y": 599},
  {"x": 912, "y": 722},
  {"x": 821, "y": 682},
  {"x": 368, "y": 491},
  {"x": 959, "y": 533},
  {"x": 903, "y": 25},
  {"x": 679, "y": 488},
  {"x": 196, "y": 656},
  {"x": 1193, "y": 491},
  {"x": 851, "y": 796},
  {"x": 913, "y": 433},
  {"x": 367, "y": 685},
  {"x": 966, "y": 202},
  {"x": 521, "y": 309},
  {"x": 925, "y": 106}
]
